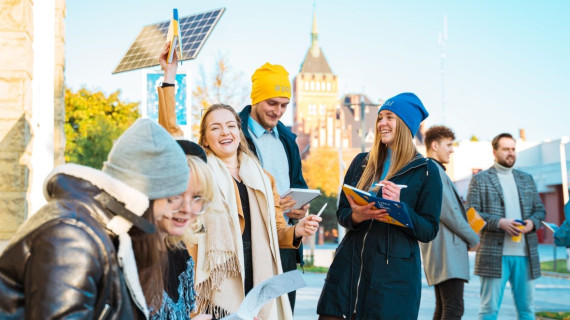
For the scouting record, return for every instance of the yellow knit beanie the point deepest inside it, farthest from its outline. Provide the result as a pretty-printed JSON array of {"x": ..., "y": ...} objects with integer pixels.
[{"x": 269, "y": 81}]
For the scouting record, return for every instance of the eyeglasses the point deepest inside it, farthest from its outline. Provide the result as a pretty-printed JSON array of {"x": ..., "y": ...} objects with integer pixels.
[{"x": 198, "y": 205}]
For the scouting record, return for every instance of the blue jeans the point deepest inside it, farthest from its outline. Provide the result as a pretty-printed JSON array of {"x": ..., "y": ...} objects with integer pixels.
[{"x": 515, "y": 270}]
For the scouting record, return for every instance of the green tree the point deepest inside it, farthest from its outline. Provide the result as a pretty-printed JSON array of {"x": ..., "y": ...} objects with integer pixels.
[
  {"x": 329, "y": 214},
  {"x": 92, "y": 122}
]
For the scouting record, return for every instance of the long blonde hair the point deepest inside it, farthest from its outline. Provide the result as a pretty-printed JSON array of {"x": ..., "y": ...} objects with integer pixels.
[
  {"x": 243, "y": 146},
  {"x": 403, "y": 151},
  {"x": 200, "y": 175}
]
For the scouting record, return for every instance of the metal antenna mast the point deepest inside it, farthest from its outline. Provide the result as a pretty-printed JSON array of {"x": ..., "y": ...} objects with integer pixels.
[{"x": 442, "y": 42}]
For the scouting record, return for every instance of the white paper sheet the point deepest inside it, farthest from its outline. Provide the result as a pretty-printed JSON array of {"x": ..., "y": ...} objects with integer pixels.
[{"x": 266, "y": 291}]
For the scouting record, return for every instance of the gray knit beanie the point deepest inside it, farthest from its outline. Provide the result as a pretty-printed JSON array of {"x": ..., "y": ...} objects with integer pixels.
[{"x": 148, "y": 159}]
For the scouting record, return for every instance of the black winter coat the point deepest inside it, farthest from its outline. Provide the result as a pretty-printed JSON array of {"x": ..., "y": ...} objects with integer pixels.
[
  {"x": 62, "y": 263},
  {"x": 376, "y": 272}
]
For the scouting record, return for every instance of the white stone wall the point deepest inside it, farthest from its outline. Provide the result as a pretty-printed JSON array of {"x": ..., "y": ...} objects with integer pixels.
[
  {"x": 16, "y": 70},
  {"x": 20, "y": 83}
]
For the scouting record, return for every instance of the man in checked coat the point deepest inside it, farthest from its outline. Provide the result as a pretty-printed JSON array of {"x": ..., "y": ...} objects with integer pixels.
[{"x": 503, "y": 195}]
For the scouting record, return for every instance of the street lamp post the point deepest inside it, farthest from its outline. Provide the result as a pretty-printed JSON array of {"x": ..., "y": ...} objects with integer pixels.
[
  {"x": 363, "y": 105},
  {"x": 564, "y": 172},
  {"x": 362, "y": 124}
]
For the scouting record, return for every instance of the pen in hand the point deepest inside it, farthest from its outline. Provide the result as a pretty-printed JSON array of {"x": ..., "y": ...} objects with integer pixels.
[
  {"x": 322, "y": 210},
  {"x": 401, "y": 186}
]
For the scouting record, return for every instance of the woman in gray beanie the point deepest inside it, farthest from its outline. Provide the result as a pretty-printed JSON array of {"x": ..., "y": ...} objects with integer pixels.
[{"x": 78, "y": 255}]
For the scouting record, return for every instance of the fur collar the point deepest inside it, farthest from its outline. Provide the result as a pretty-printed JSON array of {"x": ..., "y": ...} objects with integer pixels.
[{"x": 134, "y": 200}]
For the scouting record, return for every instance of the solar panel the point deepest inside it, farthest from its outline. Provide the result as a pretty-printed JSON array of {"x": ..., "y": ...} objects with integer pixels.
[{"x": 146, "y": 48}]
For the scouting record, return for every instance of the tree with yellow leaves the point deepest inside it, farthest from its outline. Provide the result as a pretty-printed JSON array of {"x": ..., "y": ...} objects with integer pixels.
[
  {"x": 92, "y": 122},
  {"x": 320, "y": 170}
]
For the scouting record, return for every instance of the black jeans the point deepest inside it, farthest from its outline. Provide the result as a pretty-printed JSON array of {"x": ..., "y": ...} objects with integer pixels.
[
  {"x": 449, "y": 299},
  {"x": 289, "y": 262}
]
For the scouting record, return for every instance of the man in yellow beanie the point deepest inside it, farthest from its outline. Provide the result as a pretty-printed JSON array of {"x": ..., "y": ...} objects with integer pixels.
[{"x": 274, "y": 144}]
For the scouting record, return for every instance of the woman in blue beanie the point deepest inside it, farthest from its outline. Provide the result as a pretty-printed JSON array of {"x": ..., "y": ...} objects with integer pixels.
[{"x": 376, "y": 272}]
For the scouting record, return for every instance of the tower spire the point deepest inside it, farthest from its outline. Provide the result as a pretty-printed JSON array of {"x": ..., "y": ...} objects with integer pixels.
[{"x": 315, "y": 50}]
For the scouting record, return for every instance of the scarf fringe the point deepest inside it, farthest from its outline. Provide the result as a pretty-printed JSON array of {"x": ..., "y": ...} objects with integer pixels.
[{"x": 222, "y": 265}]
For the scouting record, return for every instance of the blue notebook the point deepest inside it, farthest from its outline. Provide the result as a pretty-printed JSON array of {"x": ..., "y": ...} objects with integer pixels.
[{"x": 398, "y": 214}]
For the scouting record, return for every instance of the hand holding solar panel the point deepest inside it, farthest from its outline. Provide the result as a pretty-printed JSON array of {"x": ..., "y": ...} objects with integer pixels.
[{"x": 194, "y": 30}]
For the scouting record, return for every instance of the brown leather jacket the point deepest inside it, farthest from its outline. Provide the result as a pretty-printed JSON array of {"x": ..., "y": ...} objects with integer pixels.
[{"x": 62, "y": 263}]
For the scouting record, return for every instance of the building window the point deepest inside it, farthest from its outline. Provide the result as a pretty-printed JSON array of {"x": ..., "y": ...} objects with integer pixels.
[
  {"x": 318, "y": 86},
  {"x": 306, "y": 85},
  {"x": 323, "y": 109},
  {"x": 312, "y": 109},
  {"x": 312, "y": 85},
  {"x": 328, "y": 86}
]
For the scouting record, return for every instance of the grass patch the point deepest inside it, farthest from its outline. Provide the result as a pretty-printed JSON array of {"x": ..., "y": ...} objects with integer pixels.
[
  {"x": 554, "y": 315},
  {"x": 314, "y": 269},
  {"x": 560, "y": 267}
]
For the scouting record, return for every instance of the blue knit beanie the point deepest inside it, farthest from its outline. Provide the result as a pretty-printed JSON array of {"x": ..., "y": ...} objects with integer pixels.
[{"x": 408, "y": 107}]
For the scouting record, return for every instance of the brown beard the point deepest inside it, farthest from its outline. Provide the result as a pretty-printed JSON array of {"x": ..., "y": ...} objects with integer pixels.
[
  {"x": 505, "y": 164},
  {"x": 261, "y": 121}
]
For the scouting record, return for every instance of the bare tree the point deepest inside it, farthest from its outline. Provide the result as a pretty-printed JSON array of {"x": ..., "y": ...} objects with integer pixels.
[{"x": 223, "y": 84}]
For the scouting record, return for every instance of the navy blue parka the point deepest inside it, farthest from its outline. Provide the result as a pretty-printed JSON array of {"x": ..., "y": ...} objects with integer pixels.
[{"x": 376, "y": 272}]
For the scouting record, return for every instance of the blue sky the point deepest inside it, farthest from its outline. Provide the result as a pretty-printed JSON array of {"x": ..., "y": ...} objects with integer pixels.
[{"x": 507, "y": 62}]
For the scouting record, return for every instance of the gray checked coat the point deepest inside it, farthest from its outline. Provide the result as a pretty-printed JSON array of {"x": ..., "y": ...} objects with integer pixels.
[
  {"x": 446, "y": 257},
  {"x": 486, "y": 196}
]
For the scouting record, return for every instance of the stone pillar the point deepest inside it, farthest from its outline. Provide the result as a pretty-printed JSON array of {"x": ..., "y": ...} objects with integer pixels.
[
  {"x": 59, "y": 84},
  {"x": 16, "y": 69}
]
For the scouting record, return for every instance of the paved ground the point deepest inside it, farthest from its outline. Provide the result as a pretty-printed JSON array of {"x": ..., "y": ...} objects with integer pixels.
[{"x": 551, "y": 293}]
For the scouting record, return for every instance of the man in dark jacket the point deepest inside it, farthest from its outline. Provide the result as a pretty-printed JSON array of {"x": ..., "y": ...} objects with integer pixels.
[
  {"x": 275, "y": 145},
  {"x": 73, "y": 258}
]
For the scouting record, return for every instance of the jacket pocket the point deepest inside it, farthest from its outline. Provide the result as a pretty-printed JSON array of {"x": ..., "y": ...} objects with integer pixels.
[{"x": 395, "y": 244}]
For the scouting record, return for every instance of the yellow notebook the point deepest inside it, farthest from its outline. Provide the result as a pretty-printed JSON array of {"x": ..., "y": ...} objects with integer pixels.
[
  {"x": 475, "y": 221},
  {"x": 174, "y": 37}
]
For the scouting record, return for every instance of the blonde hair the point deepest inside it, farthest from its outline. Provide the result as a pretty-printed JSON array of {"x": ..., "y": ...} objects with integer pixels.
[
  {"x": 243, "y": 146},
  {"x": 403, "y": 151},
  {"x": 201, "y": 178}
]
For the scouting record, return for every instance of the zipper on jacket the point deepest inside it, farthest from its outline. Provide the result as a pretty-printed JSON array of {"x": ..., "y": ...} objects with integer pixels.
[
  {"x": 361, "y": 265},
  {"x": 387, "y": 246}
]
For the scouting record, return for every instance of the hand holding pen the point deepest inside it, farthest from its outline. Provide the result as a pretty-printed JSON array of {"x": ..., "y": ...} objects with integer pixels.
[
  {"x": 390, "y": 190},
  {"x": 309, "y": 224}
]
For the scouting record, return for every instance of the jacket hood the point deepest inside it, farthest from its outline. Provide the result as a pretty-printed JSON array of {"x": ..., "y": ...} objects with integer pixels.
[
  {"x": 132, "y": 199},
  {"x": 417, "y": 161}
]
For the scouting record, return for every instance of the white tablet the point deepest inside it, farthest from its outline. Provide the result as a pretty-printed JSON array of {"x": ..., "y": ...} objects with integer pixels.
[{"x": 301, "y": 196}]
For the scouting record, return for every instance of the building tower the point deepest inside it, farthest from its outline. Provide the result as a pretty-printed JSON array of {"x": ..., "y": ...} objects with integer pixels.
[{"x": 316, "y": 101}]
